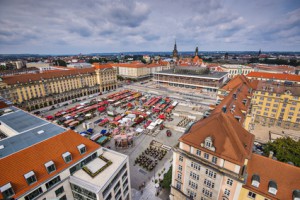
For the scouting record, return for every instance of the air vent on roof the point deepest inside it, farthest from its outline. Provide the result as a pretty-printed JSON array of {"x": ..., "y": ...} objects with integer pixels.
[
  {"x": 1, "y": 146},
  {"x": 40, "y": 132}
]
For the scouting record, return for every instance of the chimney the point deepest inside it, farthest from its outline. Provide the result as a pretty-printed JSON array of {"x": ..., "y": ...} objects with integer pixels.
[{"x": 271, "y": 153}]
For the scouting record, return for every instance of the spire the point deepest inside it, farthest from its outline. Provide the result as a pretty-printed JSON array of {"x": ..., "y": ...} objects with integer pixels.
[
  {"x": 175, "y": 46},
  {"x": 175, "y": 52},
  {"x": 196, "y": 51}
]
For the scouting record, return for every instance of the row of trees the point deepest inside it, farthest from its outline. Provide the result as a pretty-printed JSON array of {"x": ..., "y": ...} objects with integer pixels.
[{"x": 292, "y": 62}]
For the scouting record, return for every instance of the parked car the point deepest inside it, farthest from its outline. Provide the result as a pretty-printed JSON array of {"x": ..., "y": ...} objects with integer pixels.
[
  {"x": 52, "y": 108},
  {"x": 65, "y": 104},
  {"x": 169, "y": 133},
  {"x": 37, "y": 112}
]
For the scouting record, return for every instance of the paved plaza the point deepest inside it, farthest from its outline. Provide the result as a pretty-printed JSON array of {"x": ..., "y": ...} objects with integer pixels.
[{"x": 185, "y": 109}]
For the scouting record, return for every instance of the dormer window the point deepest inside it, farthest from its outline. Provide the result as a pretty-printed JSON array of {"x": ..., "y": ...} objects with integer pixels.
[
  {"x": 208, "y": 144},
  {"x": 81, "y": 148},
  {"x": 67, "y": 157},
  {"x": 50, "y": 166},
  {"x": 255, "y": 180},
  {"x": 7, "y": 191},
  {"x": 272, "y": 187},
  {"x": 296, "y": 195},
  {"x": 30, "y": 177}
]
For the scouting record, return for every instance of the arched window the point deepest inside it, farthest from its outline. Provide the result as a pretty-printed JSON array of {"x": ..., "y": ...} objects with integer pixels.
[
  {"x": 255, "y": 180},
  {"x": 272, "y": 187}
]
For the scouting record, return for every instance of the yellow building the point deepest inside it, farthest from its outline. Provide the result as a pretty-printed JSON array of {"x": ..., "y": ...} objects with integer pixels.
[
  {"x": 275, "y": 105},
  {"x": 34, "y": 91}
]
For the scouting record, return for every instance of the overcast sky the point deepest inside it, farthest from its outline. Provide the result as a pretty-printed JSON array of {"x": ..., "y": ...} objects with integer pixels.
[{"x": 89, "y": 26}]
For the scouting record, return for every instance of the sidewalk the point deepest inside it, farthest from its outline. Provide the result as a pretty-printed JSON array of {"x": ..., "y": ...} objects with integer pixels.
[{"x": 149, "y": 190}]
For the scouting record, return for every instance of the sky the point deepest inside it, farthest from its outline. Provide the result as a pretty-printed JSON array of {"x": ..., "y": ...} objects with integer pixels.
[{"x": 102, "y": 26}]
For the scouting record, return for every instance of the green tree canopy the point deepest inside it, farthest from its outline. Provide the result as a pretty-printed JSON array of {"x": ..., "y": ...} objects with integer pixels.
[
  {"x": 166, "y": 183},
  {"x": 285, "y": 150}
]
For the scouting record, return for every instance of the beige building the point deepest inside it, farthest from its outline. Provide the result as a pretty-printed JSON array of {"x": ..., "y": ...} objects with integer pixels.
[
  {"x": 33, "y": 91},
  {"x": 211, "y": 159},
  {"x": 234, "y": 70},
  {"x": 275, "y": 104},
  {"x": 137, "y": 70}
]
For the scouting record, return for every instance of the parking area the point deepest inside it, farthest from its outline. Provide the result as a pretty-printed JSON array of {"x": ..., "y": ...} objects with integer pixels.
[{"x": 136, "y": 121}]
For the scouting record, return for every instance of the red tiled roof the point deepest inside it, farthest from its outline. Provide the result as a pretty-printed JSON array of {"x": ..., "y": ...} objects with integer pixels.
[
  {"x": 287, "y": 177},
  {"x": 24, "y": 78},
  {"x": 101, "y": 66},
  {"x": 13, "y": 167},
  {"x": 231, "y": 140},
  {"x": 288, "y": 77}
]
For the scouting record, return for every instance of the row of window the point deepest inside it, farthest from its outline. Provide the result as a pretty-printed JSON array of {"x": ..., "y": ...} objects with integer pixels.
[{"x": 206, "y": 155}]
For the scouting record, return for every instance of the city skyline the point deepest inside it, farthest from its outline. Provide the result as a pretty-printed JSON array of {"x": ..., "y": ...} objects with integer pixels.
[{"x": 118, "y": 26}]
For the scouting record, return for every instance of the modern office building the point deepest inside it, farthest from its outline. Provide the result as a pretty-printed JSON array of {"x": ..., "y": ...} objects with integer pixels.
[
  {"x": 41, "y": 160},
  {"x": 33, "y": 91},
  {"x": 275, "y": 104},
  {"x": 198, "y": 78}
]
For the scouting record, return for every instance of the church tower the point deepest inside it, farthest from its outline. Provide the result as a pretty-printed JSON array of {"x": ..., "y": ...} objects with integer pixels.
[
  {"x": 175, "y": 52},
  {"x": 196, "y": 51}
]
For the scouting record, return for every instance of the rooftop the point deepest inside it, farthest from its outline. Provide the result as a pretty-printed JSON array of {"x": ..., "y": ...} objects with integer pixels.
[
  {"x": 278, "y": 88},
  {"x": 34, "y": 158},
  {"x": 192, "y": 71},
  {"x": 97, "y": 182},
  {"x": 25, "y": 78},
  {"x": 232, "y": 142},
  {"x": 25, "y": 130},
  {"x": 227, "y": 66},
  {"x": 287, "y": 77},
  {"x": 286, "y": 176}
]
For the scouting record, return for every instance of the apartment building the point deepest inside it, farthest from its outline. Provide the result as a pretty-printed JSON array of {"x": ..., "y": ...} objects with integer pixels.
[
  {"x": 45, "y": 161},
  {"x": 34, "y": 91},
  {"x": 275, "y": 104},
  {"x": 214, "y": 159},
  {"x": 234, "y": 70},
  {"x": 211, "y": 159}
]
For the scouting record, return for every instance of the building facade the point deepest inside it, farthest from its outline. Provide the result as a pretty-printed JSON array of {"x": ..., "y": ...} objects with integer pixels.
[
  {"x": 205, "y": 168},
  {"x": 275, "y": 104},
  {"x": 34, "y": 91},
  {"x": 288, "y": 79},
  {"x": 41, "y": 160},
  {"x": 191, "y": 77},
  {"x": 234, "y": 70}
]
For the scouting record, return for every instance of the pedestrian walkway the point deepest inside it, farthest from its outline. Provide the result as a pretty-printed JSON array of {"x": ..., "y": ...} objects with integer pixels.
[{"x": 149, "y": 191}]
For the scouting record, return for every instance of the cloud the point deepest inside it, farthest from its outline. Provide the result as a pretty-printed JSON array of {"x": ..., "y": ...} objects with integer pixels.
[{"x": 73, "y": 26}]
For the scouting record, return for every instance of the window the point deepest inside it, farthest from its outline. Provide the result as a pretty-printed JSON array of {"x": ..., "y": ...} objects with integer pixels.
[
  {"x": 178, "y": 185},
  {"x": 34, "y": 194},
  {"x": 81, "y": 148},
  {"x": 30, "y": 177},
  {"x": 198, "y": 152},
  {"x": 272, "y": 187},
  {"x": 195, "y": 166},
  {"x": 206, "y": 192},
  {"x": 206, "y": 155},
  {"x": 251, "y": 195},
  {"x": 292, "y": 108},
  {"x": 227, "y": 192},
  {"x": 179, "y": 176},
  {"x": 193, "y": 185},
  {"x": 117, "y": 186},
  {"x": 7, "y": 191},
  {"x": 59, "y": 191},
  {"x": 214, "y": 159},
  {"x": 50, "y": 166},
  {"x": 53, "y": 182},
  {"x": 181, "y": 158},
  {"x": 274, "y": 110},
  {"x": 192, "y": 194},
  {"x": 194, "y": 175},
  {"x": 179, "y": 167},
  {"x": 63, "y": 197},
  {"x": 229, "y": 181},
  {"x": 268, "y": 104},
  {"x": 209, "y": 183},
  {"x": 67, "y": 157},
  {"x": 255, "y": 180},
  {"x": 210, "y": 173}
]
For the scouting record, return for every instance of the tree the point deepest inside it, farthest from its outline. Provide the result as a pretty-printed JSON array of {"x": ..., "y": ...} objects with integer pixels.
[
  {"x": 60, "y": 63},
  {"x": 285, "y": 150},
  {"x": 166, "y": 183}
]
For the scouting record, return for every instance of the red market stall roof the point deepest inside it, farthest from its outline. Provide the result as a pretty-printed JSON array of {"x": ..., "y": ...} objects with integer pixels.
[
  {"x": 129, "y": 105},
  {"x": 162, "y": 116},
  {"x": 101, "y": 109},
  {"x": 49, "y": 117}
]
